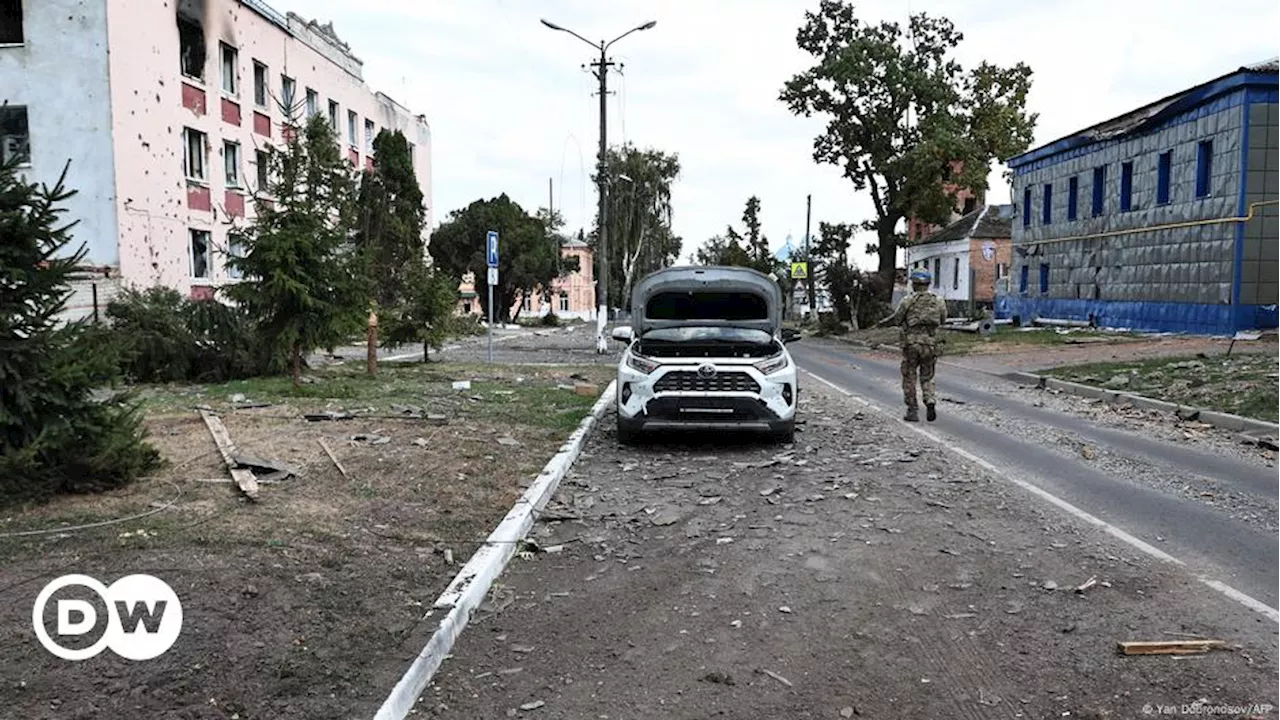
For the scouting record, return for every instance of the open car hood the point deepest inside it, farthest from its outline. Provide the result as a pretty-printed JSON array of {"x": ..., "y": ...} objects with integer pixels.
[{"x": 706, "y": 296}]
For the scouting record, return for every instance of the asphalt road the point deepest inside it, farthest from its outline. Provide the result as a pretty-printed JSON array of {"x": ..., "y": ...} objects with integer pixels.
[{"x": 1207, "y": 538}]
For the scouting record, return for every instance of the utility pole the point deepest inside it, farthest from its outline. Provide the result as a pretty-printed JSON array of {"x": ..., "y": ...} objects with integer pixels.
[
  {"x": 600, "y": 68},
  {"x": 808, "y": 258}
]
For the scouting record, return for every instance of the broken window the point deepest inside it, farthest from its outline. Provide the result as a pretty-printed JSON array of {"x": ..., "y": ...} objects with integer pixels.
[
  {"x": 259, "y": 84},
  {"x": 287, "y": 89},
  {"x": 368, "y": 137},
  {"x": 231, "y": 159},
  {"x": 15, "y": 142},
  {"x": 11, "y": 22},
  {"x": 313, "y": 103},
  {"x": 193, "y": 151},
  {"x": 230, "y": 69},
  {"x": 191, "y": 47},
  {"x": 199, "y": 253},
  {"x": 351, "y": 129},
  {"x": 333, "y": 116},
  {"x": 264, "y": 170},
  {"x": 235, "y": 249}
]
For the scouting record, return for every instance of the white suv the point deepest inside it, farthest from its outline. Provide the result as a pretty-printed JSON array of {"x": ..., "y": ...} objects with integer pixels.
[{"x": 706, "y": 350}]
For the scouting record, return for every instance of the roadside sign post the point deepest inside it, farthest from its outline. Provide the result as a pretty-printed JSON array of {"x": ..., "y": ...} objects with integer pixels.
[{"x": 491, "y": 242}]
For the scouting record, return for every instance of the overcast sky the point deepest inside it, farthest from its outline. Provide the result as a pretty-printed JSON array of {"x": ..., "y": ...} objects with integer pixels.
[{"x": 510, "y": 107}]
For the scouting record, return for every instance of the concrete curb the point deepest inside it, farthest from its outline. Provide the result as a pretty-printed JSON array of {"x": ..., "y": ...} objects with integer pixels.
[
  {"x": 472, "y": 583},
  {"x": 1222, "y": 420}
]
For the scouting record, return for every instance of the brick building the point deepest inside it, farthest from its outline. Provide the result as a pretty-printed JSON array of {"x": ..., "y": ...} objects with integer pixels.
[
  {"x": 1162, "y": 219},
  {"x": 966, "y": 201},
  {"x": 164, "y": 111}
]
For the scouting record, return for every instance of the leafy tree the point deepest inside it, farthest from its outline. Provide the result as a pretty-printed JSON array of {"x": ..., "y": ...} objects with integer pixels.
[
  {"x": 640, "y": 235},
  {"x": 304, "y": 281},
  {"x": 832, "y": 271},
  {"x": 425, "y": 314},
  {"x": 54, "y": 436},
  {"x": 757, "y": 244},
  {"x": 866, "y": 78},
  {"x": 528, "y": 258},
  {"x": 723, "y": 250}
]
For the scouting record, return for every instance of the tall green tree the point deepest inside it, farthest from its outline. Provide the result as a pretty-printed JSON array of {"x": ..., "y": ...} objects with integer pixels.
[
  {"x": 743, "y": 249},
  {"x": 723, "y": 250},
  {"x": 304, "y": 278},
  {"x": 390, "y": 219},
  {"x": 528, "y": 252},
  {"x": 864, "y": 81},
  {"x": 414, "y": 302},
  {"x": 757, "y": 245},
  {"x": 639, "y": 202},
  {"x": 55, "y": 437}
]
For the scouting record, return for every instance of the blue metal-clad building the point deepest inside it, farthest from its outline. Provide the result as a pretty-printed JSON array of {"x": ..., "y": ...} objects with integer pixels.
[{"x": 1163, "y": 219}]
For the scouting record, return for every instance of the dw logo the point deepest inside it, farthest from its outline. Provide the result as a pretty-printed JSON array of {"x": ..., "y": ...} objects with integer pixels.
[{"x": 144, "y": 617}]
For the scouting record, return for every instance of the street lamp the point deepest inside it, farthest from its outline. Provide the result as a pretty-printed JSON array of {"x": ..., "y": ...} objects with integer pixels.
[{"x": 601, "y": 71}]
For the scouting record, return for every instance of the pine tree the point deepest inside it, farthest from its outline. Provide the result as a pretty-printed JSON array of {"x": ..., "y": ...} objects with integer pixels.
[
  {"x": 54, "y": 436},
  {"x": 303, "y": 277}
]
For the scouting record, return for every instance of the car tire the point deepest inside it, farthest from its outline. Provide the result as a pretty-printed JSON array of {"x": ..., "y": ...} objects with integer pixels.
[
  {"x": 628, "y": 434},
  {"x": 786, "y": 434}
]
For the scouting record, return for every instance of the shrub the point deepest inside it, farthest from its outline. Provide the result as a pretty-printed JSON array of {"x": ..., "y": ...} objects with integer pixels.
[
  {"x": 165, "y": 337},
  {"x": 550, "y": 320}
]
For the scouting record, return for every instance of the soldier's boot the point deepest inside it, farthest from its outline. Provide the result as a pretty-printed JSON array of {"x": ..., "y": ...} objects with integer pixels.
[
  {"x": 913, "y": 415},
  {"x": 930, "y": 412}
]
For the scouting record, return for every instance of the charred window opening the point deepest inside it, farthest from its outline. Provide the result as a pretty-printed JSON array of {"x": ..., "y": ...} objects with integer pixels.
[
  {"x": 970, "y": 204},
  {"x": 707, "y": 306},
  {"x": 11, "y": 22},
  {"x": 191, "y": 46},
  {"x": 200, "y": 253},
  {"x": 15, "y": 140}
]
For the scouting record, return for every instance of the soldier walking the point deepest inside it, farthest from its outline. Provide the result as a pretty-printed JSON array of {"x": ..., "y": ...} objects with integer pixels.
[{"x": 920, "y": 314}]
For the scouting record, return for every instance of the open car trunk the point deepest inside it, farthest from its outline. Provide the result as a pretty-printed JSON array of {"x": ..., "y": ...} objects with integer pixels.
[{"x": 706, "y": 297}]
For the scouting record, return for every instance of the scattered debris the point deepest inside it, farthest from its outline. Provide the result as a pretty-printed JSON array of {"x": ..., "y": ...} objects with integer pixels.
[
  {"x": 371, "y": 438},
  {"x": 1087, "y": 584},
  {"x": 532, "y": 705},
  {"x": 784, "y": 609},
  {"x": 461, "y": 384},
  {"x": 1170, "y": 647},
  {"x": 960, "y": 616},
  {"x": 586, "y": 389},
  {"x": 244, "y": 477},
  {"x": 775, "y": 676},
  {"x": 508, "y": 441},
  {"x": 328, "y": 415},
  {"x": 1088, "y": 452},
  {"x": 324, "y": 446},
  {"x": 719, "y": 678}
]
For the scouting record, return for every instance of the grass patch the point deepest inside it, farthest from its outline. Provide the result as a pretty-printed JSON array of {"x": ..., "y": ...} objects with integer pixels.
[
  {"x": 1004, "y": 339},
  {"x": 1242, "y": 384}
]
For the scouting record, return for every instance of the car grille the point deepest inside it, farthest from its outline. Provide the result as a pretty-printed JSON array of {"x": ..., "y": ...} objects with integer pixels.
[{"x": 690, "y": 381}]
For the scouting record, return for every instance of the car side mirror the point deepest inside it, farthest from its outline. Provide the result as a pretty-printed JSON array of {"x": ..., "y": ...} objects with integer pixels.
[
  {"x": 790, "y": 335},
  {"x": 622, "y": 333}
]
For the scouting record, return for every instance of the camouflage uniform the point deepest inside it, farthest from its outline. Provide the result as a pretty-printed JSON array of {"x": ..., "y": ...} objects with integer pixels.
[{"x": 919, "y": 314}]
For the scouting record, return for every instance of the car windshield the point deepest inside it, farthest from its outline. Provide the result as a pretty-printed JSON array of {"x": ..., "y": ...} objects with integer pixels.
[{"x": 708, "y": 334}]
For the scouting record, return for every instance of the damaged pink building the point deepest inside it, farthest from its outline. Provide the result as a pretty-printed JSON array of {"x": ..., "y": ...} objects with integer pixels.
[{"x": 164, "y": 111}]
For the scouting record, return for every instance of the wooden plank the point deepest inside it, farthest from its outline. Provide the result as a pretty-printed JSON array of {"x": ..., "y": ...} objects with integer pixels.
[
  {"x": 1174, "y": 647},
  {"x": 244, "y": 478},
  {"x": 325, "y": 446}
]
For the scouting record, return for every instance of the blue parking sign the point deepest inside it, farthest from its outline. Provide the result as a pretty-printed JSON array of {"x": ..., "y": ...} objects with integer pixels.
[{"x": 493, "y": 248}]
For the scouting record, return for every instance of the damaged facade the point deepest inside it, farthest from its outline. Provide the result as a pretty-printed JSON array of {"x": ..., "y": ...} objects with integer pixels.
[
  {"x": 967, "y": 258},
  {"x": 164, "y": 111},
  {"x": 1163, "y": 219}
]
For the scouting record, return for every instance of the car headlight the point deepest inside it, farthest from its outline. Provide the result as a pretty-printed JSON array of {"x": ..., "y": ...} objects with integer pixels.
[
  {"x": 644, "y": 365},
  {"x": 772, "y": 365}
]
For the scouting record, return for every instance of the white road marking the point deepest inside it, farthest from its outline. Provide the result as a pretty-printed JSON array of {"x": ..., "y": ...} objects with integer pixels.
[{"x": 1242, "y": 598}]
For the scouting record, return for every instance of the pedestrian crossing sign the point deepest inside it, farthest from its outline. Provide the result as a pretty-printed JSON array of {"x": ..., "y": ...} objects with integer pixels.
[{"x": 799, "y": 271}]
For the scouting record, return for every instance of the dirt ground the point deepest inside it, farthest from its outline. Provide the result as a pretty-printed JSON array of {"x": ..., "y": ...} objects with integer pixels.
[
  {"x": 307, "y": 604},
  {"x": 862, "y": 572}
]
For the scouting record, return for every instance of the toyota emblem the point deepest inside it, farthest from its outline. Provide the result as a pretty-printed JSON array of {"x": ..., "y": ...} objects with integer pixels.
[{"x": 706, "y": 371}]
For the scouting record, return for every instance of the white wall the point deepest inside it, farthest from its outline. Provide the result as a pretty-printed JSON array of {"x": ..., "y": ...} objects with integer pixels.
[
  {"x": 945, "y": 283},
  {"x": 60, "y": 75}
]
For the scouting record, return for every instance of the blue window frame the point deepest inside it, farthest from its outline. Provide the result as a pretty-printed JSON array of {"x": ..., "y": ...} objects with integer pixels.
[
  {"x": 1126, "y": 187},
  {"x": 1073, "y": 192},
  {"x": 1022, "y": 279},
  {"x": 1099, "y": 190},
  {"x": 1026, "y": 207},
  {"x": 1044, "y": 278},
  {"x": 1204, "y": 168},
  {"x": 1164, "y": 171},
  {"x": 1046, "y": 212}
]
